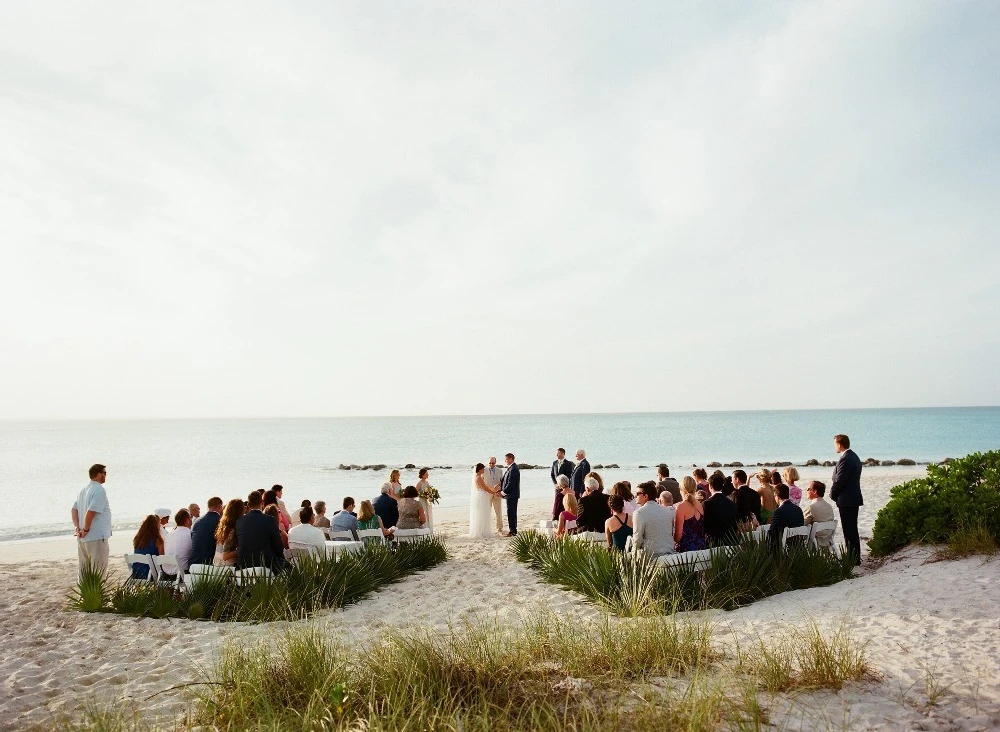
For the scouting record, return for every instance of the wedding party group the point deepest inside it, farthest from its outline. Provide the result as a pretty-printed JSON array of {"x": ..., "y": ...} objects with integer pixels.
[{"x": 665, "y": 515}]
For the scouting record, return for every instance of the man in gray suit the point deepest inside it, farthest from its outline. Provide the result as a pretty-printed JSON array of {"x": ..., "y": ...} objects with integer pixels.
[
  {"x": 653, "y": 525},
  {"x": 819, "y": 511}
]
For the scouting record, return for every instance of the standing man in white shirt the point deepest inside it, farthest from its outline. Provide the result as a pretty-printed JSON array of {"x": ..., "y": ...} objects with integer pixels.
[
  {"x": 92, "y": 521},
  {"x": 492, "y": 477},
  {"x": 178, "y": 541}
]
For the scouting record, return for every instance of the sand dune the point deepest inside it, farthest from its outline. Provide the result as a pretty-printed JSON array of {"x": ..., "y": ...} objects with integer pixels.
[{"x": 929, "y": 625}]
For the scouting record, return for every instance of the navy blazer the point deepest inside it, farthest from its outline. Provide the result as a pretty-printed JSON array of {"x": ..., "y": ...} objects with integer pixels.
[
  {"x": 258, "y": 542},
  {"x": 387, "y": 509},
  {"x": 720, "y": 520},
  {"x": 581, "y": 471},
  {"x": 845, "y": 490},
  {"x": 511, "y": 482},
  {"x": 567, "y": 469},
  {"x": 594, "y": 511},
  {"x": 203, "y": 538},
  {"x": 785, "y": 516}
]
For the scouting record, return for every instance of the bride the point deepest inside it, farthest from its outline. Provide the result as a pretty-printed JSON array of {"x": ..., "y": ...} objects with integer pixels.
[{"x": 480, "y": 509}]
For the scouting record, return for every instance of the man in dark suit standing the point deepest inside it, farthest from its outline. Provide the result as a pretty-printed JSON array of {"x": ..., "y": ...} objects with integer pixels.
[
  {"x": 845, "y": 491},
  {"x": 560, "y": 466},
  {"x": 203, "y": 533},
  {"x": 510, "y": 487},
  {"x": 580, "y": 472},
  {"x": 720, "y": 515},
  {"x": 258, "y": 541}
]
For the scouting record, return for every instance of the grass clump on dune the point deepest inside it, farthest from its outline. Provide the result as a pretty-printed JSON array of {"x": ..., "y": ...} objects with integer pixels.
[
  {"x": 310, "y": 584},
  {"x": 637, "y": 585}
]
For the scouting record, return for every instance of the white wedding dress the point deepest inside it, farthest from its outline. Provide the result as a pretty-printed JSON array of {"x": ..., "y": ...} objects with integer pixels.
[{"x": 480, "y": 513}]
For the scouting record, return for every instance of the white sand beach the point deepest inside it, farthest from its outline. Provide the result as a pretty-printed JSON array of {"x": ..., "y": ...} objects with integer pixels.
[{"x": 932, "y": 631}]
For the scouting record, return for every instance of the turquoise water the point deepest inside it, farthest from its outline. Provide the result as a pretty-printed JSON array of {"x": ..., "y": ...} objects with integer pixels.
[{"x": 171, "y": 463}]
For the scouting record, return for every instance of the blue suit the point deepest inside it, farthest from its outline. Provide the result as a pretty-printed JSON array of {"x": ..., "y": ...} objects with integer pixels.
[
  {"x": 203, "y": 538},
  {"x": 511, "y": 487},
  {"x": 845, "y": 491},
  {"x": 581, "y": 471}
]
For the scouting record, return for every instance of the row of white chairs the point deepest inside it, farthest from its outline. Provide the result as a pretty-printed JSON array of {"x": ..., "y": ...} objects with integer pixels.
[{"x": 809, "y": 534}]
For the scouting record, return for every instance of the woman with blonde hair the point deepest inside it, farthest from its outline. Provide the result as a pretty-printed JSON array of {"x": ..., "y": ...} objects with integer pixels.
[
  {"x": 225, "y": 534},
  {"x": 368, "y": 519},
  {"x": 395, "y": 487},
  {"x": 571, "y": 509},
  {"x": 791, "y": 474},
  {"x": 767, "y": 500},
  {"x": 689, "y": 520}
]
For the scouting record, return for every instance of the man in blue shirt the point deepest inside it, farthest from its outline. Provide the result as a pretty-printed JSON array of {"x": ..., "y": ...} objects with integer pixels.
[
  {"x": 346, "y": 520},
  {"x": 92, "y": 521}
]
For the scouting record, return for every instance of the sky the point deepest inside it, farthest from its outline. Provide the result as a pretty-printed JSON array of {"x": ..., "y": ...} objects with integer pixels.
[{"x": 253, "y": 209}]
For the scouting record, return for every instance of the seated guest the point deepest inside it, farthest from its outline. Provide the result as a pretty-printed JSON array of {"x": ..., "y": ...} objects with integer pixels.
[
  {"x": 786, "y": 515},
  {"x": 411, "y": 513},
  {"x": 258, "y": 538},
  {"x": 147, "y": 540},
  {"x": 195, "y": 510},
  {"x": 598, "y": 478},
  {"x": 321, "y": 521},
  {"x": 285, "y": 518},
  {"x": 689, "y": 523},
  {"x": 727, "y": 487},
  {"x": 271, "y": 499},
  {"x": 387, "y": 506},
  {"x": 766, "y": 493},
  {"x": 225, "y": 534},
  {"x": 666, "y": 499},
  {"x": 618, "y": 528},
  {"x": 274, "y": 512},
  {"x": 594, "y": 509},
  {"x": 747, "y": 502},
  {"x": 295, "y": 516},
  {"x": 203, "y": 533},
  {"x": 164, "y": 515},
  {"x": 369, "y": 520},
  {"x": 306, "y": 533},
  {"x": 720, "y": 514},
  {"x": 818, "y": 511},
  {"x": 624, "y": 491},
  {"x": 346, "y": 519},
  {"x": 653, "y": 523},
  {"x": 178, "y": 543},
  {"x": 665, "y": 483},
  {"x": 701, "y": 481},
  {"x": 571, "y": 508},
  {"x": 791, "y": 474}
]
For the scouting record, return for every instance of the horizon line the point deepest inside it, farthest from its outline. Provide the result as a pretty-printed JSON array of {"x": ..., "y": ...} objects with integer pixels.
[{"x": 495, "y": 414}]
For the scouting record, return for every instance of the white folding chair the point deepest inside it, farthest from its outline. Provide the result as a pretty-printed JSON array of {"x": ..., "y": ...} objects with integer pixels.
[
  {"x": 131, "y": 559},
  {"x": 803, "y": 531},
  {"x": 405, "y": 535},
  {"x": 596, "y": 537},
  {"x": 760, "y": 533},
  {"x": 821, "y": 526},
  {"x": 250, "y": 574},
  {"x": 547, "y": 527},
  {"x": 166, "y": 567},
  {"x": 298, "y": 549},
  {"x": 198, "y": 572},
  {"x": 341, "y": 536},
  {"x": 697, "y": 560},
  {"x": 366, "y": 534},
  {"x": 339, "y": 548},
  {"x": 570, "y": 525}
]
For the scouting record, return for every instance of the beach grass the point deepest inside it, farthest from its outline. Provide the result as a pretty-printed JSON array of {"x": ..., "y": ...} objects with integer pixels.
[
  {"x": 635, "y": 585},
  {"x": 310, "y": 584}
]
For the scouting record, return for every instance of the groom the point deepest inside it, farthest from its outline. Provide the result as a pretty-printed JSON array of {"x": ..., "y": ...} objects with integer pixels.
[{"x": 510, "y": 487}]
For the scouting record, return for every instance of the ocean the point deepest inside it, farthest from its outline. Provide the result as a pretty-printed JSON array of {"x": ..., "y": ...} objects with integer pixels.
[{"x": 170, "y": 463}]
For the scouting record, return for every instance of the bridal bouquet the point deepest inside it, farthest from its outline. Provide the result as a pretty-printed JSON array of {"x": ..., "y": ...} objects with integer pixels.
[{"x": 430, "y": 494}]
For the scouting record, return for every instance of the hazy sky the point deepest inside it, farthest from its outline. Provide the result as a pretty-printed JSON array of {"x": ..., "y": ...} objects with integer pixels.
[{"x": 283, "y": 209}]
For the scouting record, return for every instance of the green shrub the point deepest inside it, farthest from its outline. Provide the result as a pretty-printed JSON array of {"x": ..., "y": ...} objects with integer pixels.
[
  {"x": 92, "y": 591},
  {"x": 931, "y": 509}
]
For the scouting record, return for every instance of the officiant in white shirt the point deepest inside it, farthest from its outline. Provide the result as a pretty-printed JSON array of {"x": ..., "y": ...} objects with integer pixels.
[{"x": 492, "y": 477}]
